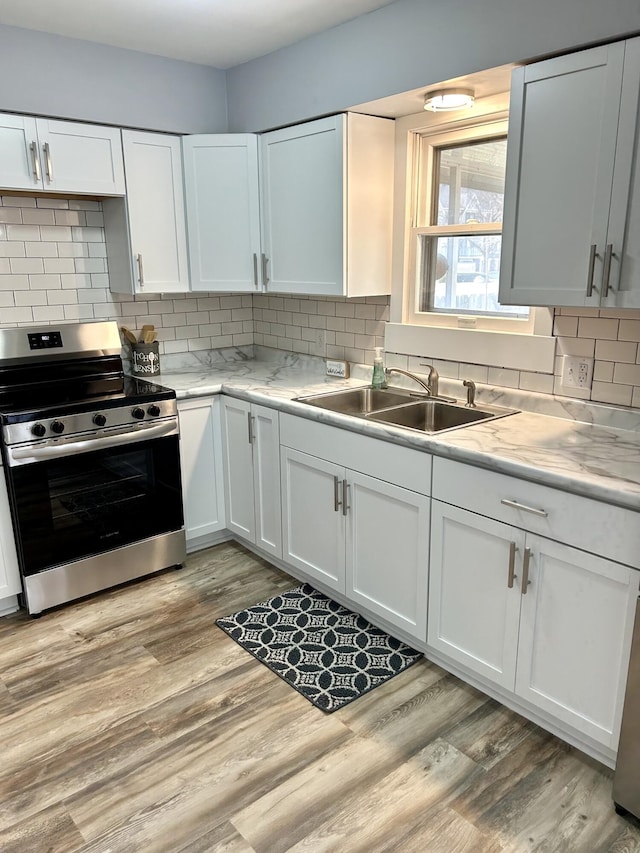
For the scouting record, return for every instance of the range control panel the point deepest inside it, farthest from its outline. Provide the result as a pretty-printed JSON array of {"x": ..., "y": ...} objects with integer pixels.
[
  {"x": 88, "y": 422},
  {"x": 44, "y": 340}
]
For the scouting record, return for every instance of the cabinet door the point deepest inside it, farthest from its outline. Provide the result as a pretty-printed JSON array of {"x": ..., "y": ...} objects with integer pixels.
[
  {"x": 387, "y": 557},
  {"x": 313, "y": 524},
  {"x": 563, "y": 125},
  {"x": 238, "y": 467},
  {"x": 575, "y": 635},
  {"x": 201, "y": 461},
  {"x": 20, "y": 166},
  {"x": 302, "y": 182},
  {"x": 223, "y": 211},
  {"x": 625, "y": 221},
  {"x": 155, "y": 205},
  {"x": 9, "y": 572},
  {"x": 473, "y": 612},
  {"x": 266, "y": 479},
  {"x": 81, "y": 158}
]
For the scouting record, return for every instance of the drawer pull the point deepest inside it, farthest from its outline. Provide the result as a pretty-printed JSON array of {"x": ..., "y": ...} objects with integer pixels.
[
  {"x": 516, "y": 505},
  {"x": 512, "y": 564},
  {"x": 337, "y": 503},
  {"x": 525, "y": 571}
]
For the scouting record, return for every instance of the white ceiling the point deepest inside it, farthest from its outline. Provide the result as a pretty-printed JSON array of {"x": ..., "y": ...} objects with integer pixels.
[{"x": 221, "y": 33}]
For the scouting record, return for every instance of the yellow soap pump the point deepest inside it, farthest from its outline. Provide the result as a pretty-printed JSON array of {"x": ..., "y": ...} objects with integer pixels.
[{"x": 378, "y": 380}]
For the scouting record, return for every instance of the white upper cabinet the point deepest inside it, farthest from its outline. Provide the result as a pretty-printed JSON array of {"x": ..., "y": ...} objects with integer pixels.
[
  {"x": 146, "y": 239},
  {"x": 572, "y": 140},
  {"x": 223, "y": 211},
  {"x": 327, "y": 205},
  {"x": 60, "y": 156}
]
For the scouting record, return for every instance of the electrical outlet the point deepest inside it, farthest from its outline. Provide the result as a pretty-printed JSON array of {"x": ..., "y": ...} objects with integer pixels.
[
  {"x": 338, "y": 368},
  {"x": 577, "y": 371}
]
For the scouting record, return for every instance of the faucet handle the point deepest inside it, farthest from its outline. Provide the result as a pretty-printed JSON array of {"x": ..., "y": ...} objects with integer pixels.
[{"x": 471, "y": 392}]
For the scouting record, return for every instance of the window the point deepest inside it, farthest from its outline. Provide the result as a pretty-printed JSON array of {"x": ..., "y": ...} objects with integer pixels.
[
  {"x": 447, "y": 243},
  {"x": 456, "y": 230}
]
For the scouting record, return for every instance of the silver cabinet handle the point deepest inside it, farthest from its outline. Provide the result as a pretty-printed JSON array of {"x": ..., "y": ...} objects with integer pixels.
[
  {"x": 337, "y": 503},
  {"x": 265, "y": 277},
  {"x": 512, "y": 564},
  {"x": 255, "y": 270},
  {"x": 250, "y": 426},
  {"x": 525, "y": 571},
  {"x": 47, "y": 159},
  {"x": 606, "y": 268},
  {"x": 516, "y": 505},
  {"x": 593, "y": 254},
  {"x": 35, "y": 159},
  {"x": 345, "y": 497},
  {"x": 140, "y": 270}
]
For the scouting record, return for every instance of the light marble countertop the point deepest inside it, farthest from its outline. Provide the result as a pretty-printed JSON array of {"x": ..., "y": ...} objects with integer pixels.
[{"x": 596, "y": 461}]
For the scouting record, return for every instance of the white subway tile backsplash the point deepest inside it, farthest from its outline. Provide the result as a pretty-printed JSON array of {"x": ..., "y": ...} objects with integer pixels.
[
  {"x": 22, "y": 232},
  {"x": 11, "y": 214},
  {"x": 609, "y": 392},
  {"x": 26, "y": 265},
  {"x": 53, "y": 203},
  {"x": 18, "y": 201},
  {"x": 56, "y": 271},
  {"x": 39, "y": 216},
  {"x": 629, "y": 329},
  {"x": 56, "y": 233},
  {"x": 45, "y": 282},
  {"x": 41, "y": 250}
]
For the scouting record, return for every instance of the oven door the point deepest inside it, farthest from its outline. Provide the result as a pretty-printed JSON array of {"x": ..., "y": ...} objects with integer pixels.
[{"x": 92, "y": 497}]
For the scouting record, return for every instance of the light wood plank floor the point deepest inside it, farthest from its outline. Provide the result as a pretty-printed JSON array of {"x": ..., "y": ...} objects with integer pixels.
[{"x": 129, "y": 723}]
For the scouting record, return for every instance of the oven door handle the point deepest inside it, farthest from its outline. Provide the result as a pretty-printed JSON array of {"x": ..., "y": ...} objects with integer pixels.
[{"x": 56, "y": 451}]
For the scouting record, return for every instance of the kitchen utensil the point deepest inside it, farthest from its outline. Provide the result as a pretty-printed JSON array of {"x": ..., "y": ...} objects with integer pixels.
[{"x": 128, "y": 334}]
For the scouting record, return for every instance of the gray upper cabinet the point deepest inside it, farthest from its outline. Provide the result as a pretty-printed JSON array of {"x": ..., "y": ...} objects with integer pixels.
[
  {"x": 327, "y": 206},
  {"x": 146, "y": 233},
  {"x": 567, "y": 233},
  {"x": 306, "y": 209},
  {"x": 223, "y": 211},
  {"x": 60, "y": 156}
]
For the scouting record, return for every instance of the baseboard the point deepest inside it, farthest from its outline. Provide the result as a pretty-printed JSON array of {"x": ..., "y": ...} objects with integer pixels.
[
  {"x": 9, "y": 605},
  {"x": 198, "y": 543}
]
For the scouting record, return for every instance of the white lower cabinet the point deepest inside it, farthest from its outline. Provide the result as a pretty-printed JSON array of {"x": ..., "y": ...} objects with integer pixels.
[
  {"x": 10, "y": 584},
  {"x": 252, "y": 473},
  {"x": 201, "y": 462},
  {"x": 540, "y": 619},
  {"x": 359, "y": 535}
]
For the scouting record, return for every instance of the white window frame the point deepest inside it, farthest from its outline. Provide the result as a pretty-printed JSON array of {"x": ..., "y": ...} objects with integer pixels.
[{"x": 491, "y": 341}]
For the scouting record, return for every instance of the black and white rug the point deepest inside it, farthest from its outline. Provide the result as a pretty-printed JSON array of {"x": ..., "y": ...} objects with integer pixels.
[{"x": 329, "y": 654}]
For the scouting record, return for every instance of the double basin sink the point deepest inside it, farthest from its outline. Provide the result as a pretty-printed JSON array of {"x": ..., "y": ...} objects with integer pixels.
[{"x": 396, "y": 407}]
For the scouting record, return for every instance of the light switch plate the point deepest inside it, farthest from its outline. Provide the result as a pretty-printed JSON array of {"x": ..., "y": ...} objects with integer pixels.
[{"x": 577, "y": 371}]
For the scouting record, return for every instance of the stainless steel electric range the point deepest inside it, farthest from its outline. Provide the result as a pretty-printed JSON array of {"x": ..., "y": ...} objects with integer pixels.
[{"x": 91, "y": 459}]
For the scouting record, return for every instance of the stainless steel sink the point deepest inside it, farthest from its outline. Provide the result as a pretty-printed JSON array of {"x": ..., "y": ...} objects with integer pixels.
[
  {"x": 436, "y": 416},
  {"x": 358, "y": 401},
  {"x": 404, "y": 409}
]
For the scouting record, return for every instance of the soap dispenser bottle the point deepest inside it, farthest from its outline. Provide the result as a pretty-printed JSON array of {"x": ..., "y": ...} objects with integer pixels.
[{"x": 378, "y": 379}]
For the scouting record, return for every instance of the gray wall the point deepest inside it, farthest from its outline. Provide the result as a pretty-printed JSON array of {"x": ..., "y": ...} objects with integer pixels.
[
  {"x": 44, "y": 74},
  {"x": 409, "y": 44}
]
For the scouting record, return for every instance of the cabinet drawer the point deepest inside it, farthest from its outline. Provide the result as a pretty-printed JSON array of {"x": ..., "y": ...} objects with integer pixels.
[
  {"x": 591, "y": 525},
  {"x": 400, "y": 465}
]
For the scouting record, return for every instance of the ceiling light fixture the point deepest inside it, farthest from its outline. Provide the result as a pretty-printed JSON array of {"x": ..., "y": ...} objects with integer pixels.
[{"x": 442, "y": 100}]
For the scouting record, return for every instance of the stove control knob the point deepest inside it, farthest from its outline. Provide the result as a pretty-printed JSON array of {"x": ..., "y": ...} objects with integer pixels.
[
  {"x": 154, "y": 411},
  {"x": 39, "y": 430},
  {"x": 57, "y": 427},
  {"x": 99, "y": 420},
  {"x": 137, "y": 413}
]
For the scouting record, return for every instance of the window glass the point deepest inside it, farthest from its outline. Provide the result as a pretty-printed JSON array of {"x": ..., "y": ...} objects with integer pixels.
[{"x": 471, "y": 182}]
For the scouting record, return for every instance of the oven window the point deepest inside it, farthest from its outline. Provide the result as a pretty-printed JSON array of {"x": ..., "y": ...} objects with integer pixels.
[{"x": 78, "y": 506}]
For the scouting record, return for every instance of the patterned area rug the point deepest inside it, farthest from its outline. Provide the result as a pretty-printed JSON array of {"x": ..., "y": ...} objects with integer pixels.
[{"x": 329, "y": 654}]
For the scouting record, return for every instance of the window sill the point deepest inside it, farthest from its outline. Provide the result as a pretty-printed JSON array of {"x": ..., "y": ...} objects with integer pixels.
[{"x": 473, "y": 346}]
